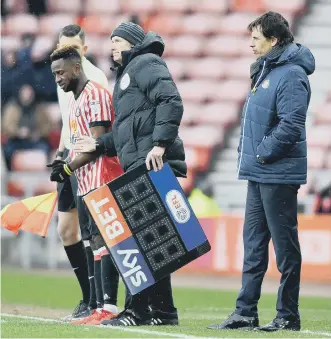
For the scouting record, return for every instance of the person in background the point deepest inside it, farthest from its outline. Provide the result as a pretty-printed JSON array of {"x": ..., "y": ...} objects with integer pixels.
[{"x": 323, "y": 201}]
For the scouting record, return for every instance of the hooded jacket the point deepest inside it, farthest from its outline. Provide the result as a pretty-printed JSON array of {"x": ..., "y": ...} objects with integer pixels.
[
  {"x": 148, "y": 108},
  {"x": 272, "y": 147}
]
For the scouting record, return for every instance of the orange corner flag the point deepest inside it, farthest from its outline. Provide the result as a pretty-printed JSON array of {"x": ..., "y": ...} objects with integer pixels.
[{"x": 30, "y": 215}]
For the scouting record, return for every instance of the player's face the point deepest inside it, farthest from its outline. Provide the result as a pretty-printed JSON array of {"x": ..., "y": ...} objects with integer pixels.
[
  {"x": 260, "y": 44},
  {"x": 66, "y": 73},
  {"x": 74, "y": 41},
  {"x": 118, "y": 46}
]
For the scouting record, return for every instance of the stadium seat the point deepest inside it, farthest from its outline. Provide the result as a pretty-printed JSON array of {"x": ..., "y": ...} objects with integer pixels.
[
  {"x": 205, "y": 136},
  {"x": 165, "y": 24},
  {"x": 104, "y": 64},
  {"x": 231, "y": 90},
  {"x": 177, "y": 67},
  {"x": 42, "y": 45},
  {"x": 10, "y": 43},
  {"x": 200, "y": 24},
  {"x": 191, "y": 110},
  {"x": 210, "y": 6},
  {"x": 95, "y": 44},
  {"x": 223, "y": 114},
  {"x": 236, "y": 23},
  {"x": 65, "y": 6},
  {"x": 53, "y": 112},
  {"x": 322, "y": 114},
  {"x": 168, "y": 6},
  {"x": 96, "y": 7},
  {"x": 316, "y": 157},
  {"x": 139, "y": 7},
  {"x": 328, "y": 160},
  {"x": 188, "y": 182},
  {"x": 195, "y": 91},
  {"x": 30, "y": 160},
  {"x": 22, "y": 23},
  {"x": 16, "y": 6},
  {"x": 225, "y": 46},
  {"x": 53, "y": 23},
  {"x": 239, "y": 68},
  {"x": 15, "y": 188},
  {"x": 187, "y": 45},
  {"x": 287, "y": 8},
  {"x": 253, "y": 6},
  {"x": 44, "y": 187},
  {"x": 191, "y": 157},
  {"x": 319, "y": 136},
  {"x": 99, "y": 24},
  {"x": 206, "y": 68}
]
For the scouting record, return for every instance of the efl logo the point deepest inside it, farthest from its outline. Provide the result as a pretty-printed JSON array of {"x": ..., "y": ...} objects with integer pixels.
[
  {"x": 178, "y": 206},
  {"x": 107, "y": 216}
]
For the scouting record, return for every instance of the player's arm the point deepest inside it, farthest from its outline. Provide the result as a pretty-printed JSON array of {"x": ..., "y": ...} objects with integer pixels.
[{"x": 84, "y": 158}]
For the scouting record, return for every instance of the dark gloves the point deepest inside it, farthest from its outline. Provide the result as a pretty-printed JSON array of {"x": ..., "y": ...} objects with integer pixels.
[{"x": 61, "y": 171}]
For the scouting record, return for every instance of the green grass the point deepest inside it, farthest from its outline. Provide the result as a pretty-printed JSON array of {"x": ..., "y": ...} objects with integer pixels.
[{"x": 197, "y": 309}]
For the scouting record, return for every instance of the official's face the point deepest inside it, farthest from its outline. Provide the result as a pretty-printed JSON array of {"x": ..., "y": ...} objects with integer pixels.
[
  {"x": 66, "y": 73},
  {"x": 75, "y": 42},
  {"x": 118, "y": 46},
  {"x": 260, "y": 44}
]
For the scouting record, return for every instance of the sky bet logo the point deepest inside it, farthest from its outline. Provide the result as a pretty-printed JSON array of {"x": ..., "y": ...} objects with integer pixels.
[{"x": 119, "y": 240}]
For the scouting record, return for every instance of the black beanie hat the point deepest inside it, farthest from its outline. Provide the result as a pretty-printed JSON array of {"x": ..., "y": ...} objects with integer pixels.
[{"x": 130, "y": 32}]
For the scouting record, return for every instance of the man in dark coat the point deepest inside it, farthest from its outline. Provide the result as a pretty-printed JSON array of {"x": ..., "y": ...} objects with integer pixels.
[
  {"x": 273, "y": 158},
  {"x": 148, "y": 112}
]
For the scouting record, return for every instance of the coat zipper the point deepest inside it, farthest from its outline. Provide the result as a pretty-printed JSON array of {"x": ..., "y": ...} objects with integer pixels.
[{"x": 243, "y": 136}]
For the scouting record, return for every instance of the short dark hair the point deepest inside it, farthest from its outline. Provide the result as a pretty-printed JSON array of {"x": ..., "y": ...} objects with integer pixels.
[
  {"x": 66, "y": 53},
  {"x": 71, "y": 31},
  {"x": 273, "y": 24}
]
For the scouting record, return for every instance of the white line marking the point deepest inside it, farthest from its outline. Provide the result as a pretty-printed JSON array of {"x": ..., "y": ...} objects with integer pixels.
[
  {"x": 136, "y": 330},
  {"x": 125, "y": 329}
]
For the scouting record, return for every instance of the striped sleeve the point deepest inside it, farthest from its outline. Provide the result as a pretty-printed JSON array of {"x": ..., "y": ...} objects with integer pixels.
[{"x": 99, "y": 108}]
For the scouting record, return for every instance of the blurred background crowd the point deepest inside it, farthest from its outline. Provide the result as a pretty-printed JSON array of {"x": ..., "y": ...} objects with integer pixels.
[{"x": 208, "y": 54}]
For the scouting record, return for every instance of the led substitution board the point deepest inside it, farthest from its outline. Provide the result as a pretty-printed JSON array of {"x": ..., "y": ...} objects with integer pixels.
[{"x": 148, "y": 225}]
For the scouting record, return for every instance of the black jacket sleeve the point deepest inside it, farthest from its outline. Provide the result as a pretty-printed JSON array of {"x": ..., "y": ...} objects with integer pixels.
[
  {"x": 105, "y": 145},
  {"x": 154, "y": 79}
]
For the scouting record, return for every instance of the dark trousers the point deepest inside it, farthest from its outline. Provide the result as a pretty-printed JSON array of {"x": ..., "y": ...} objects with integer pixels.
[
  {"x": 271, "y": 213},
  {"x": 158, "y": 297}
]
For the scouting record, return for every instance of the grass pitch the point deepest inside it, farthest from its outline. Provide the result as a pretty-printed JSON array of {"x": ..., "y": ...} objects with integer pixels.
[{"x": 197, "y": 309}]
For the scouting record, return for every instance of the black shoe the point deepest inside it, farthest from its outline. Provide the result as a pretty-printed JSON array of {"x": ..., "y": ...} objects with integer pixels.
[
  {"x": 236, "y": 321},
  {"x": 281, "y": 324},
  {"x": 128, "y": 318},
  {"x": 164, "y": 318},
  {"x": 82, "y": 310}
]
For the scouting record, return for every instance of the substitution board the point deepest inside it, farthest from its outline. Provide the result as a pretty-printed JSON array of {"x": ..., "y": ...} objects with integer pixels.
[{"x": 148, "y": 225}]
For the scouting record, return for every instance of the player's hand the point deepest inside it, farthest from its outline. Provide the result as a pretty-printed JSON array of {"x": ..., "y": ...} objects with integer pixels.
[
  {"x": 155, "y": 157},
  {"x": 84, "y": 144},
  {"x": 61, "y": 171}
]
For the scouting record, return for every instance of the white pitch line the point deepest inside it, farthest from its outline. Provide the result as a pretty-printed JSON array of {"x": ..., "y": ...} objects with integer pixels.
[
  {"x": 125, "y": 329},
  {"x": 327, "y": 334}
]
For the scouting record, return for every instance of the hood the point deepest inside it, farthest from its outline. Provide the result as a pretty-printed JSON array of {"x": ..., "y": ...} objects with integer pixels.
[
  {"x": 152, "y": 43},
  {"x": 298, "y": 55}
]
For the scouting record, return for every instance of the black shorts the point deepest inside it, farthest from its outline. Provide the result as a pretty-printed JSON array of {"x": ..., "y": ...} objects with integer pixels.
[
  {"x": 87, "y": 224},
  {"x": 67, "y": 191}
]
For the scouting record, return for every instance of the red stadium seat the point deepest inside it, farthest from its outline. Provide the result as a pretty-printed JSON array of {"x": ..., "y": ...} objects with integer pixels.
[
  {"x": 22, "y": 23},
  {"x": 65, "y": 6},
  {"x": 211, "y": 6},
  {"x": 99, "y": 24},
  {"x": 322, "y": 115},
  {"x": 95, "y": 44},
  {"x": 166, "y": 6},
  {"x": 31, "y": 160},
  {"x": 206, "y": 68},
  {"x": 315, "y": 157},
  {"x": 53, "y": 23},
  {"x": 104, "y": 64},
  {"x": 328, "y": 161},
  {"x": 191, "y": 110},
  {"x": 285, "y": 7},
  {"x": 165, "y": 24},
  {"x": 15, "y": 188},
  {"x": 10, "y": 43},
  {"x": 200, "y": 24},
  {"x": 53, "y": 112},
  {"x": 191, "y": 157},
  {"x": 16, "y": 6},
  {"x": 187, "y": 46},
  {"x": 42, "y": 45},
  {"x": 219, "y": 114},
  {"x": 319, "y": 136},
  {"x": 230, "y": 90},
  {"x": 236, "y": 23},
  {"x": 195, "y": 91},
  {"x": 177, "y": 67},
  {"x": 202, "y": 136},
  {"x": 44, "y": 187},
  {"x": 225, "y": 46},
  {"x": 239, "y": 68},
  {"x": 187, "y": 183},
  {"x": 139, "y": 7},
  {"x": 254, "y": 6},
  {"x": 96, "y": 7}
]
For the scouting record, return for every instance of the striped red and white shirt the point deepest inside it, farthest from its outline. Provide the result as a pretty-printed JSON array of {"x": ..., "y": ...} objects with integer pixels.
[{"x": 92, "y": 108}]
